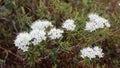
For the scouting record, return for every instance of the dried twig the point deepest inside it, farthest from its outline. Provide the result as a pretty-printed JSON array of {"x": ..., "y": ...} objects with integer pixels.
[
  {"x": 14, "y": 26},
  {"x": 9, "y": 52}
]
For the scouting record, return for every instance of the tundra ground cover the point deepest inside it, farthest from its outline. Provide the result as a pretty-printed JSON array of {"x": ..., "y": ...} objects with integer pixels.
[{"x": 60, "y": 50}]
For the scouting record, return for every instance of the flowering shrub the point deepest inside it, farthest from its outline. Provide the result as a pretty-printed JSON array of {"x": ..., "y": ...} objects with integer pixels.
[
  {"x": 96, "y": 22},
  {"x": 40, "y": 33},
  {"x": 59, "y": 34},
  {"x": 92, "y": 52}
]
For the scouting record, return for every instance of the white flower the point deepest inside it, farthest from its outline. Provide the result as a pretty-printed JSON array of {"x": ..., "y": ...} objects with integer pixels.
[
  {"x": 91, "y": 52},
  {"x": 37, "y": 36},
  {"x": 88, "y": 52},
  {"x": 55, "y": 33},
  {"x": 118, "y": 4},
  {"x": 24, "y": 48},
  {"x": 99, "y": 23},
  {"x": 90, "y": 26},
  {"x": 22, "y": 40},
  {"x": 96, "y": 22},
  {"x": 41, "y": 24},
  {"x": 83, "y": 52},
  {"x": 69, "y": 25},
  {"x": 92, "y": 16},
  {"x": 107, "y": 24},
  {"x": 98, "y": 51}
]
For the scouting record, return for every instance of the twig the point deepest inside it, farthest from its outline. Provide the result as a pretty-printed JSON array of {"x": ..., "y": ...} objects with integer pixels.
[
  {"x": 9, "y": 52},
  {"x": 40, "y": 59},
  {"x": 13, "y": 23},
  {"x": 14, "y": 26},
  {"x": 115, "y": 32}
]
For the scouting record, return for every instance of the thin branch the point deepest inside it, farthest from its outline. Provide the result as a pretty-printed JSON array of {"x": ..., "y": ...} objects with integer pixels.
[
  {"x": 14, "y": 26},
  {"x": 13, "y": 23},
  {"x": 115, "y": 32},
  {"x": 9, "y": 52}
]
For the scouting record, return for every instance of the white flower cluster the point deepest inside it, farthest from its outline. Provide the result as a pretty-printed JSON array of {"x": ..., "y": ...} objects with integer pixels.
[
  {"x": 22, "y": 41},
  {"x": 41, "y": 24},
  {"x": 37, "y": 36},
  {"x": 55, "y": 33},
  {"x": 38, "y": 33},
  {"x": 69, "y": 25},
  {"x": 92, "y": 52},
  {"x": 96, "y": 22}
]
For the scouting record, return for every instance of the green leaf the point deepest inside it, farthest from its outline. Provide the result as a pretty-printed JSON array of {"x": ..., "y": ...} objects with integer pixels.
[
  {"x": 1, "y": 60},
  {"x": 9, "y": 3},
  {"x": 85, "y": 2}
]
